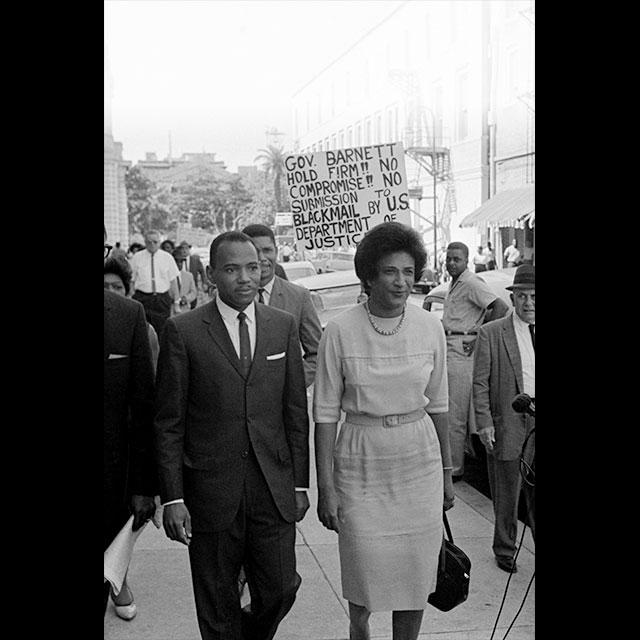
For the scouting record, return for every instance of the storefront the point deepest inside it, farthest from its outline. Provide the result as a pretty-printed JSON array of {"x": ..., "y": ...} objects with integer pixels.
[{"x": 509, "y": 215}]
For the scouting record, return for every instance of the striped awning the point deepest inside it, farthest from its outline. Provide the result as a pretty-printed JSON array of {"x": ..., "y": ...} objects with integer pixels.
[{"x": 510, "y": 208}]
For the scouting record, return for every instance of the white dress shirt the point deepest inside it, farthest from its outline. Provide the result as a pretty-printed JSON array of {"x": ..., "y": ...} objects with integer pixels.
[
  {"x": 165, "y": 270},
  {"x": 268, "y": 289},
  {"x": 231, "y": 322},
  {"x": 527, "y": 355}
]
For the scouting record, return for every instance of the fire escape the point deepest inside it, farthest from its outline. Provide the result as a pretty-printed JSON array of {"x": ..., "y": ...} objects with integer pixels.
[{"x": 427, "y": 149}]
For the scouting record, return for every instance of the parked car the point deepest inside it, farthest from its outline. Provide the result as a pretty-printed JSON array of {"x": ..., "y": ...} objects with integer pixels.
[
  {"x": 332, "y": 293},
  {"x": 497, "y": 279},
  {"x": 427, "y": 281},
  {"x": 298, "y": 269}
]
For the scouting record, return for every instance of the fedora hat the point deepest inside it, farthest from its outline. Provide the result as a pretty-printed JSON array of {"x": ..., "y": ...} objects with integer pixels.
[{"x": 524, "y": 278}]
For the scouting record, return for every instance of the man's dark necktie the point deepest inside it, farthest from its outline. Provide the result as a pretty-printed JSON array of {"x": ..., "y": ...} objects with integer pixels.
[
  {"x": 260, "y": 296},
  {"x": 153, "y": 276},
  {"x": 532, "y": 331},
  {"x": 245, "y": 344}
]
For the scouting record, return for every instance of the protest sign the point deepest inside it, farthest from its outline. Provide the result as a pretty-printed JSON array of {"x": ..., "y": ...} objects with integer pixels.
[{"x": 337, "y": 196}]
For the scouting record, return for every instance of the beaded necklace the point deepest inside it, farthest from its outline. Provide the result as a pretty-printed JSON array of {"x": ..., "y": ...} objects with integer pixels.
[{"x": 384, "y": 332}]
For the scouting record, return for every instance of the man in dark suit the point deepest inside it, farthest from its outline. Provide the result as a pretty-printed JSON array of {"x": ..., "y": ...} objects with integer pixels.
[
  {"x": 129, "y": 469},
  {"x": 232, "y": 444},
  {"x": 282, "y": 294},
  {"x": 504, "y": 367},
  {"x": 195, "y": 266}
]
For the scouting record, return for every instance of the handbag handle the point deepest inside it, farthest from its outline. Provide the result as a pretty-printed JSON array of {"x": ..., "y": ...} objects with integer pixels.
[{"x": 447, "y": 527}]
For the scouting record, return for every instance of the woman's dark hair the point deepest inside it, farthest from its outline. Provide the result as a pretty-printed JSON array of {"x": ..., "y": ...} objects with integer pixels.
[
  {"x": 114, "y": 266},
  {"x": 135, "y": 246},
  {"x": 171, "y": 243},
  {"x": 386, "y": 238}
]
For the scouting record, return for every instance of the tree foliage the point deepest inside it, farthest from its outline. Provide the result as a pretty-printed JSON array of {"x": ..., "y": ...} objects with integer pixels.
[
  {"x": 272, "y": 160},
  {"x": 148, "y": 207}
]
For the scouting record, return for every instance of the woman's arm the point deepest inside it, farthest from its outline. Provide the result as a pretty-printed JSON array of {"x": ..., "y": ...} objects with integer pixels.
[
  {"x": 328, "y": 508},
  {"x": 441, "y": 423}
]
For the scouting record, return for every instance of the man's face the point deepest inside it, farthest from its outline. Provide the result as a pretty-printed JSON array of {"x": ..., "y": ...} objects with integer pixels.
[
  {"x": 267, "y": 256},
  {"x": 236, "y": 273},
  {"x": 152, "y": 242},
  {"x": 524, "y": 303},
  {"x": 456, "y": 262}
]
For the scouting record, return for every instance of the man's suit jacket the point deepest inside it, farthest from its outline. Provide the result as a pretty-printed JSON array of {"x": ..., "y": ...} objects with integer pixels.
[
  {"x": 497, "y": 380},
  {"x": 129, "y": 467},
  {"x": 208, "y": 415},
  {"x": 197, "y": 268},
  {"x": 297, "y": 301}
]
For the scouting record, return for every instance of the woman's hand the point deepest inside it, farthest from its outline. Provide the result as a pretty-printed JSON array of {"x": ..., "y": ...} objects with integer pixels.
[
  {"x": 329, "y": 509},
  {"x": 449, "y": 493}
]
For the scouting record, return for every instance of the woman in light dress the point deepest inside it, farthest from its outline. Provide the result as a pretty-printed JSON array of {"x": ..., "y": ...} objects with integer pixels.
[{"x": 384, "y": 480}]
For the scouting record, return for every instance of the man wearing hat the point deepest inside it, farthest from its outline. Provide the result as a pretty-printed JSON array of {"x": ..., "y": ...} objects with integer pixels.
[{"x": 504, "y": 367}]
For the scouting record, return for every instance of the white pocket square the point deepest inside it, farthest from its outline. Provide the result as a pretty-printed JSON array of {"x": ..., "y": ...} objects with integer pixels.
[
  {"x": 277, "y": 356},
  {"x": 114, "y": 356}
]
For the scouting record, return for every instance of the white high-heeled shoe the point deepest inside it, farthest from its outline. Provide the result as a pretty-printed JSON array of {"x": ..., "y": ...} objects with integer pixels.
[{"x": 125, "y": 611}]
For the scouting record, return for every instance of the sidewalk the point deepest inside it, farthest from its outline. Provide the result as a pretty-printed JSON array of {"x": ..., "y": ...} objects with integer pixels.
[{"x": 161, "y": 581}]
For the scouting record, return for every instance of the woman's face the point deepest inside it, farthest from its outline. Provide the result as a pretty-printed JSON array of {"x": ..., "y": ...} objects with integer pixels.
[
  {"x": 396, "y": 277},
  {"x": 114, "y": 283}
]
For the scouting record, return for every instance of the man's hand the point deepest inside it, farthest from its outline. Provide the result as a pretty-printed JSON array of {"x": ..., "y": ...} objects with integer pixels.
[
  {"x": 177, "y": 523},
  {"x": 302, "y": 504},
  {"x": 329, "y": 509},
  {"x": 142, "y": 508},
  {"x": 487, "y": 437}
]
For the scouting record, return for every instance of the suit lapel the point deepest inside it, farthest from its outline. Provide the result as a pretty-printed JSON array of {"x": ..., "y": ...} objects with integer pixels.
[
  {"x": 276, "y": 294},
  {"x": 220, "y": 335},
  {"x": 262, "y": 339},
  {"x": 511, "y": 346}
]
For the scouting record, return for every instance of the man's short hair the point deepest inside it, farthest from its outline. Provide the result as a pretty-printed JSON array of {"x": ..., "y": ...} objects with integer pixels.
[
  {"x": 460, "y": 246},
  {"x": 227, "y": 236},
  {"x": 259, "y": 231}
]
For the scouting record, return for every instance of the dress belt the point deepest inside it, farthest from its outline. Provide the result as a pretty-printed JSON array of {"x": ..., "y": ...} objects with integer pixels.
[
  {"x": 461, "y": 333},
  {"x": 385, "y": 421}
]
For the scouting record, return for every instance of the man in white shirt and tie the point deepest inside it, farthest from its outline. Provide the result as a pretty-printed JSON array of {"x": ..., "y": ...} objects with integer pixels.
[
  {"x": 232, "y": 446},
  {"x": 504, "y": 367},
  {"x": 153, "y": 279}
]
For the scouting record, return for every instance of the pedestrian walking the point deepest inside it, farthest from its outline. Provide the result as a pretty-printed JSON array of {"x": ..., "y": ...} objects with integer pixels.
[
  {"x": 512, "y": 254},
  {"x": 480, "y": 261},
  {"x": 383, "y": 482},
  {"x": 232, "y": 446}
]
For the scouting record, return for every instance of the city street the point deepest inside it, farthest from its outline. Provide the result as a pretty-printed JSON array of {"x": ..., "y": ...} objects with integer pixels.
[{"x": 160, "y": 579}]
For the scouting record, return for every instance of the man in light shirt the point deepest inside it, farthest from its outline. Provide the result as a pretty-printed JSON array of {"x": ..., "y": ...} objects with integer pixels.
[
  {"x": 505, "y": 366},
  {"x": 232, "y": 446},
  {"x": 153, "y": 278}
]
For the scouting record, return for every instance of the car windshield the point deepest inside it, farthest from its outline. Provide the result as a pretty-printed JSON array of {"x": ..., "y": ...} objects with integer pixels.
[{"x": 293, "y": 273}]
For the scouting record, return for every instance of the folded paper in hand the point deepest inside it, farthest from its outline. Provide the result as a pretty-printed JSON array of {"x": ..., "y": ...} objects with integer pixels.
[{"x": 118, "y": 555}]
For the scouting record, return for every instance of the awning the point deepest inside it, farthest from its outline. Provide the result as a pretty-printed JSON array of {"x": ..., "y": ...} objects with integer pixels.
[{"x": 510, "y": 208}]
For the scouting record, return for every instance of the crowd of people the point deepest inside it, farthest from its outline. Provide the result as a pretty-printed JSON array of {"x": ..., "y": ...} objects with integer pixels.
[{"x": 207, "y": 419}]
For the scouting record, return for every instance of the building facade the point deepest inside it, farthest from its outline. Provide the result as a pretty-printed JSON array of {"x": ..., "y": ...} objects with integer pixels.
[
  {"x": 116, "y": 218},
  {"x": 425, "y": 76}
]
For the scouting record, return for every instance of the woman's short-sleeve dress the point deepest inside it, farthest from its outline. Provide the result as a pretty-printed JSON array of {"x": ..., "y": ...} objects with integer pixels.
[{"x": 388, "y": 479}]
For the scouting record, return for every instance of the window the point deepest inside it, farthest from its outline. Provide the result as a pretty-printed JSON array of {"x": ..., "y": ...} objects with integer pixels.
[
  {"x": 333, "y": 141},
  {"x": 378, "y": 134},
  {"x": 320, "y": 145},
  {"x": 391, "y": 136},
  {"x": 349, "y": 137},
  {"x": 341, "y": 138},
  {"x": 462, "y": 105},
  {"x": 358, "y": 140},
  {"x": 326, "y": 144},
  {"x": 367, "y": 131}
]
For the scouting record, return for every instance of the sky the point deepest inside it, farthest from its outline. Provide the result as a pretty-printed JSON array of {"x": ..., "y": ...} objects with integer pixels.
[{"x": 218, "y": 74}]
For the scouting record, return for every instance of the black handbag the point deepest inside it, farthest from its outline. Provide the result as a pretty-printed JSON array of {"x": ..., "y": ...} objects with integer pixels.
[{"x": 454, "y": 569}]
